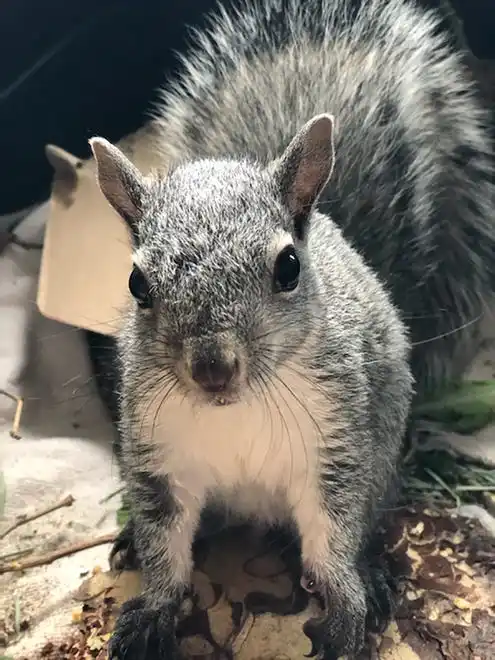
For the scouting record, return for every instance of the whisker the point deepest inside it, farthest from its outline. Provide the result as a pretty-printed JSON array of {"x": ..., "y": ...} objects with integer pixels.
[
  {"x": 289, "y": 438},
  {"x": 450, "y": 332},
  {"x": 167, "y": 394},
  {"x": 267, "y": 393},
  {"x": 275, "y": 377},
  {"x": 155, "y": 387}
]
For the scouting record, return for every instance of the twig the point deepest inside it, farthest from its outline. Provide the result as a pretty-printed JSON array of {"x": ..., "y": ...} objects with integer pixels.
[
  {"x": 14, "y": 431},
  {"x": 99, "y": 522},
  {"x": 13, "y": 556},
  {"x": 474, "y": 489},
  {"x": 43, "y": 560},
  {"x": 112, "y": 495},
  {"x": 23, "y": 520}
]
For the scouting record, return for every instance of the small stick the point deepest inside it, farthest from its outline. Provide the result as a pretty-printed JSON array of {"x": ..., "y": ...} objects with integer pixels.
[
  {"x": 23, "y": 520},
  {"x": 14, "y": 431},
  {"x": 13, "y": 556},
  {"x": 49, "y": 558},
  {"x": 112, "y": 495}
]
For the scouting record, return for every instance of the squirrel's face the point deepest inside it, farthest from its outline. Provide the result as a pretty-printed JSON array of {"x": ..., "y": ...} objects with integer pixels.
[
  {"x": 222, "y": 286},
  {"x": 221, "y": 279}
]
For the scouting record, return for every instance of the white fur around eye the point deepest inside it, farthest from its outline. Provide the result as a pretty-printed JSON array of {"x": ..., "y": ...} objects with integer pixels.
[
  {"x": 280, "y": 241},
  {"x": 138, "y": 259}
]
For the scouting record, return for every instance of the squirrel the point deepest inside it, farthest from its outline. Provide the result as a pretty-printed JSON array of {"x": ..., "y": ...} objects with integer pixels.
[
  {"x": 264, "y": 367},
  {"x": 318, "y": 254}
]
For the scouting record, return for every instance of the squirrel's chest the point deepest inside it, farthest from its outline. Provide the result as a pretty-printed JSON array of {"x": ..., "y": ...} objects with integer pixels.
[{"x": 269, "y": 446}]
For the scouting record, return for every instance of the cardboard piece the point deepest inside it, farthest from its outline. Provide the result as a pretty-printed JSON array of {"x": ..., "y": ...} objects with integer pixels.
[{"x": 86, "y": 258}]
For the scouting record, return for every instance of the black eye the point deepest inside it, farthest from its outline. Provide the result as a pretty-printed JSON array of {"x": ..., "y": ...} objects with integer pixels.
[
  {"x": 139, "y": 288},
  {"x": 287, "y": 269}
]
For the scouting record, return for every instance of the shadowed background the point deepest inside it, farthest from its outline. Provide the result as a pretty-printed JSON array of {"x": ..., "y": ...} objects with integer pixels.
[{"x": 71, "y": 70}]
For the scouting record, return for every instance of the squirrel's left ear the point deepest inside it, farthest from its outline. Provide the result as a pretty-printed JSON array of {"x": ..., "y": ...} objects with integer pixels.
[
  {"x": 123, "y": 185},
  {"x": 305, "y": 167}
]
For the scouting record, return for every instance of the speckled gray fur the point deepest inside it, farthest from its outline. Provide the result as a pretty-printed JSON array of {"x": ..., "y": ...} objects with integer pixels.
[
  {"x": 411, "y": 194},
  {"x": 414, "y": 187}
]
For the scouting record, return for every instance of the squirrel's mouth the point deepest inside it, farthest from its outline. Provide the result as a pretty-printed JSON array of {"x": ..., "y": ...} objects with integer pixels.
[
  {"x": 222, "y": 403},
  {"x": 222, "y": 400}
]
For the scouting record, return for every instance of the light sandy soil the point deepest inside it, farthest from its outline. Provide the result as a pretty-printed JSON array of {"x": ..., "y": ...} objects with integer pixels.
[{"x": 64, "y": 449}]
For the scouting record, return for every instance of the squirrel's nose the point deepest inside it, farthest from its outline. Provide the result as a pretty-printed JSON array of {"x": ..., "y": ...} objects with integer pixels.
[{"x": 214, "y": 374}]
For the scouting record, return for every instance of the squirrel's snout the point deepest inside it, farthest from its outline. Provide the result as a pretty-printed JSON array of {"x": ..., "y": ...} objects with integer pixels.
[{"x": 214, "y": 373}]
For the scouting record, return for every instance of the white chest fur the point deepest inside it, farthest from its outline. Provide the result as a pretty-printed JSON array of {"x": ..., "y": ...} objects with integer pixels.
[{"x": 261, "y": 456}]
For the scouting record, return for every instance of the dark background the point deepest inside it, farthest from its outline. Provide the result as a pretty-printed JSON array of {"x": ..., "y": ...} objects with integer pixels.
[{"x": 71, "y": 69}]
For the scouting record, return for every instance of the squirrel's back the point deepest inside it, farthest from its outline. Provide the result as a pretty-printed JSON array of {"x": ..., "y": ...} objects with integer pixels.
[{"x": 413, "y": 187}]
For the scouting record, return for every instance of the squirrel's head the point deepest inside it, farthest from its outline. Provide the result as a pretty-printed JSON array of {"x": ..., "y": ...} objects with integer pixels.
[{"x": 224, "y": 293}]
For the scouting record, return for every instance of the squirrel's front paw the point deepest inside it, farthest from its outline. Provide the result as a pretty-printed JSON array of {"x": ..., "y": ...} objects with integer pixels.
[
  {"x": 341, "y": 630},
  {"x": 143, "y": 634},
  {"x": 381, "y": 595},
  {"x": 123, "y": 556}
]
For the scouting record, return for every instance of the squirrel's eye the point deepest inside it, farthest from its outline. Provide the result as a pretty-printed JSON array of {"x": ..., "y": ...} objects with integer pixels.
[
  {"x": 139, "y": 288},
  {"x": 286, "y": 271}
]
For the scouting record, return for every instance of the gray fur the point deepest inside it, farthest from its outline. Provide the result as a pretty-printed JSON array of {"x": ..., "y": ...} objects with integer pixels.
[
  {"x": 414, "y": 189},
  {"x": 324, "y": 378}
]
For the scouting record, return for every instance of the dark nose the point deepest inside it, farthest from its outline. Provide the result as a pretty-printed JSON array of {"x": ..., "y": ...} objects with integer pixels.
[{"x": 214, "y": 374}]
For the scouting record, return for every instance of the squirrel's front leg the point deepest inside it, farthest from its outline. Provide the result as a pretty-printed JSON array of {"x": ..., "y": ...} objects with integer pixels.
[
  {"x": 329, "y": 569},
  {"x": 164, "y": 524},
  {"x": 335, "y": 566}
]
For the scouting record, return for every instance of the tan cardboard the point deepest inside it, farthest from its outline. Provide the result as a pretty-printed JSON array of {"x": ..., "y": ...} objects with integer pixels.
[{"x": 86, "y": 256}]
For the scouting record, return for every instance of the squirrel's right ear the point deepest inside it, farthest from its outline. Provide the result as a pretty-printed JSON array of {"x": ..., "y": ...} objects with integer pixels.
[{"x": 120, "y": 181}]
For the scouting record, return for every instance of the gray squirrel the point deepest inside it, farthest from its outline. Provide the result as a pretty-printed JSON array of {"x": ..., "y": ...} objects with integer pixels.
[{"x": 329, "y": 202}]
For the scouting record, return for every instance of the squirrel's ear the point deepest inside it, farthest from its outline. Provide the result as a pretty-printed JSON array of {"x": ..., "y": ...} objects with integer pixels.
[
  {"x": 120, "y": 181},
  {"x": 305, "y": 167}
]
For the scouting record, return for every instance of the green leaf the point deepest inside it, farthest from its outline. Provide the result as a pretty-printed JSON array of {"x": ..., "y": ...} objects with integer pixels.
[
  {"x": 123, "y": 512},
  {"x": 465, "y": 408},
  {"x": 122, "y": 516}
]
